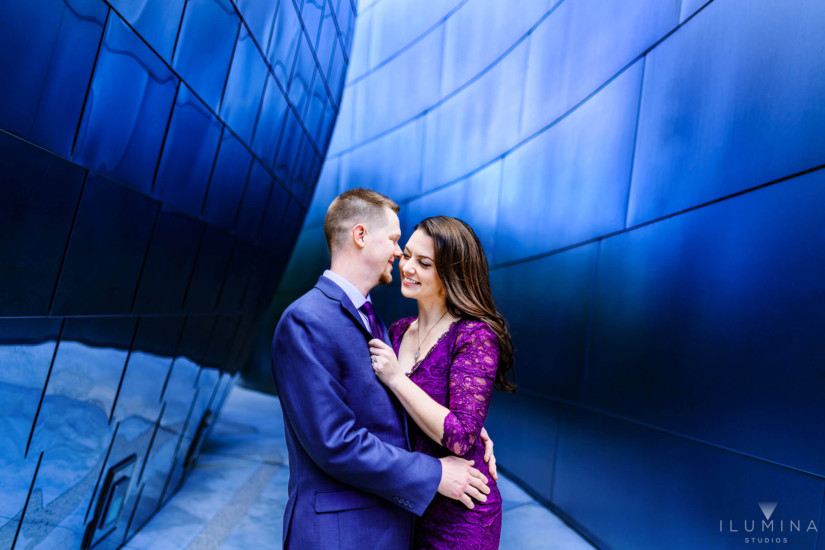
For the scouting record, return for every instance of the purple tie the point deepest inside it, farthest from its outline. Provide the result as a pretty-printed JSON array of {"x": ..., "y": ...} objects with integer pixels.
[{"x": 375, "y": 324}]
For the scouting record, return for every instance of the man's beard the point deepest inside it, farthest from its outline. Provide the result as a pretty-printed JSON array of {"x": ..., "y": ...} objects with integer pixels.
[{"x": 385, "y": 278}]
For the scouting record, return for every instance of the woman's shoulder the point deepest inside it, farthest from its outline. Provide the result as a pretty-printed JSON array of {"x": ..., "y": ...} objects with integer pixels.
[
  {"x": 474, "y": 327},
  {"x": 469, "y": 330}
]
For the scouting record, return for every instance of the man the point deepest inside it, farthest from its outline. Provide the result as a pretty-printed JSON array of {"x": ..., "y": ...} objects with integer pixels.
[{"x": 352, "y": 481}]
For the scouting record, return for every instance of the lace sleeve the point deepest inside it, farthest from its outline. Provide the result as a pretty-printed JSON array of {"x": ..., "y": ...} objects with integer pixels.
[{"x": 472, "y": 376}]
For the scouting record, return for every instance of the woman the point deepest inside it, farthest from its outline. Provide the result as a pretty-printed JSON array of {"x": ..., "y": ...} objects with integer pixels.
[{"x": 443, "y": 366}]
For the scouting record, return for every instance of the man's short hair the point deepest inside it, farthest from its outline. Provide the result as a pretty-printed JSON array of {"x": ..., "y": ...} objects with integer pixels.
[{"x": 352, "y": 207}]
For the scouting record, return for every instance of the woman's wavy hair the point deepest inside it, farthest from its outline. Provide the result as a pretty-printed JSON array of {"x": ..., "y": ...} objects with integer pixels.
[{"x": 462, "y": 267}]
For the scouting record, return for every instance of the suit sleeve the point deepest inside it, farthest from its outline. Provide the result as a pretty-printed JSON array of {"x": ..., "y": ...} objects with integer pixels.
[{"x": 308, "y": 377}]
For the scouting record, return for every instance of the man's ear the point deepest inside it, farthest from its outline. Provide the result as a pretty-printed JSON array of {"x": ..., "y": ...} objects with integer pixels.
[{"x": 359, "y": 235}]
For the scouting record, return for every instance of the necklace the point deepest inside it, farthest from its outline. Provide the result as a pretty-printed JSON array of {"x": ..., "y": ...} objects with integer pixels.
[{"x": 418, "y": 350}]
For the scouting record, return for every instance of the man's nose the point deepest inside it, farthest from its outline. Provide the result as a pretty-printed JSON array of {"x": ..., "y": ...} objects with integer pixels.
[{"x": 397, "y": 252}]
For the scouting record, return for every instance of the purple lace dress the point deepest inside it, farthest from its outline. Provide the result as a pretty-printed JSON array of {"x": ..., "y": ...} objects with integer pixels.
[{"x": 458, "y": 372}]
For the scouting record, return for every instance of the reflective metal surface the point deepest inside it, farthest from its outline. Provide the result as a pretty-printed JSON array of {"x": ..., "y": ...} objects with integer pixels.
[
  {"x": 647, "y": 180},
  {"x": 145, "y": 226}
]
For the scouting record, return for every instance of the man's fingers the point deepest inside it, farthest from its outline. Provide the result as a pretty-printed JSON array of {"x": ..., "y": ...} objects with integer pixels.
[
  {"x": 480, "y": 484},
  {"x": 492, "y": 467},
  {"x": 468, "y": 502},
  {"x": 474, "y": 493},
  {"x": 478, "y": 475}
]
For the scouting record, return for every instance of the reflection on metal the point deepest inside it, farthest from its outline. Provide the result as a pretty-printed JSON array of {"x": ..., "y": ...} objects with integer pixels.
[
  {"x": 197, "y": 441},
  {"x": 156, "y": 163},
  {"x": 110, "y": 501}
]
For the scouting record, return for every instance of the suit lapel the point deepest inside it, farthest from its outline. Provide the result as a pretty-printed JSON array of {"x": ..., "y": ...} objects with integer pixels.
[{"x": 335, "y": 292}]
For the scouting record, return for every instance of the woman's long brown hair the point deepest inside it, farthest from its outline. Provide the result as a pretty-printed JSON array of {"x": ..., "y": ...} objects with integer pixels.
[{"x": 462, "y": 267}]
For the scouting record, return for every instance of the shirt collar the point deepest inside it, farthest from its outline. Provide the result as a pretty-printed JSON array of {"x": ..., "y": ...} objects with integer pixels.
[{"x": 349, "y": 289}]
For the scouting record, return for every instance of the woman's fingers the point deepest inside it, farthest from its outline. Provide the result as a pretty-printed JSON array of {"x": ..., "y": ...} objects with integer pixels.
[{"x": 380, "y": 344}]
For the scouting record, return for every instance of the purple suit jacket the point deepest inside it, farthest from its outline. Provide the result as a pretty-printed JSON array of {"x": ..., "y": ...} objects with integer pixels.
[{"x": 352, "y": 482}]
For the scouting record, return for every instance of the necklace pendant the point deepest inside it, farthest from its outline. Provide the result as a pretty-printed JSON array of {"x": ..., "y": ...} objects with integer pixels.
[{"x": 417, "y": 353}]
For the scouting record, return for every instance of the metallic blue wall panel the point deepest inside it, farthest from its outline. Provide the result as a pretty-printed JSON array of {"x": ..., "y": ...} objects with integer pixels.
[
  {"x": 337, "y": 71},
  {"x": 39, "y": 202},
  {"x": 253, "y": 205},
  {"x": 204, "y": 49},
  {"x": 312, "y": 11},
  {"x": 549, "y": 300},
  {"x": 102, "y": 268},
  {"x": 259, "y": 16},
  {"x": 289, "y": 147},
  {"x": 16, "y": 478},
  {"x": 458, "y": 140},
  {"x": 712, "y": 125},
  {"x": 403, "y": 21},
  {"x": 301, "y": 81},
  {"x": 327, "y": 39},
  {"x": 526, "y": 447},
  {"x": 270, "y": 122},
  {"x": 474, "y": 199},
  {"x": 157, "y": 21},
  {"x": 80, "y": 392},
  {"x": 391, "y": 165},
  {"x": 237, "y": 275},
  {"x": 570, "y": 183},
  {"x": 690, "y": 7},
  {"x": 210, "y": 271},
  {"x": 405, "y": 87},
  {"x": 325, "y": 191},
  {"x": 633, "y": 487},
  {"x": 283, "y": 47},
  {"x": 227, "y": 182},
  {"x": 188, "y": 154},
  {"x": 26, "y": 350},
  {"x": 583, "y": 44},
  {"x": 131, "y": 89},
  {"x": 169, "y": 263},
  {"x": 47, "y": 67},
  {"x": 275, "y": 219},
  {"x": 305, "y": 170},
  {"x": 488, "y": 29},
  {"x": 315, "y": 108},
  {"x": 244, "y": 88},
  {"x": 703, "y": 311}
]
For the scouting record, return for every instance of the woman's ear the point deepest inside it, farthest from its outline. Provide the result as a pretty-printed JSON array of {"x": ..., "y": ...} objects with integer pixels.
[{"x": 359, "y": 235}]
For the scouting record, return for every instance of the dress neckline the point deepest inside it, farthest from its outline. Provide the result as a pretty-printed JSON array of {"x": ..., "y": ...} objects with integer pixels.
[{"x": 429, "y": 351}]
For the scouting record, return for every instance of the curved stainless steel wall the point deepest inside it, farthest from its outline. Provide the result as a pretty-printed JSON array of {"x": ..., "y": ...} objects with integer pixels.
[
  {"x": 157, "y": 159},
  {"x": 647, "y": 180}
]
